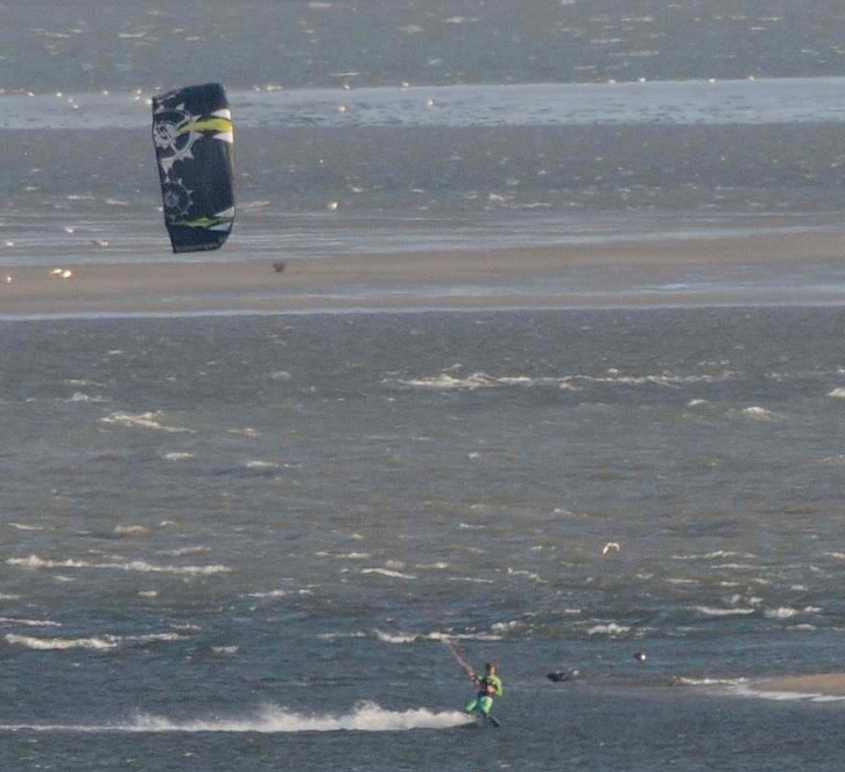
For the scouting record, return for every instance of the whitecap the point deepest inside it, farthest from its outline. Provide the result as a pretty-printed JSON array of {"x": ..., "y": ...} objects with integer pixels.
[
  {"x": 29, "y": 622},
  {"x": 141, "y": 420},
  {"x": 758, "y": 413},
  {"x": 225, "y": 650},
  {"x": 709, "y": 611},
  {"x": 611, "y": 628},
  {"x": 26, "y": 527},
  {"x": 132, "y": 530},
  {"x": 438, "y": 636},
  {"x": 60, "y": 644},
  {"x": 247, "y": 431},
  {"x": 387, "y": 572},
  {"x": 713, "y": 555},
  {"x": 35, "y": 562},
  {"x": 79, "y": 396},
  {"x": 528, "y": 574},
  {"x": 177, "y": 456},
  {"x": 258, "y": 464},
  {"x": 838, "y": 393},
  {"x": 396, "y": 637},
  {"x": 505, "y": 626}
]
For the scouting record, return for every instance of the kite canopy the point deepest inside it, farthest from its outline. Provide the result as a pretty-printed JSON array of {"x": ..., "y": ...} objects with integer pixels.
[{"x": 193, "y": 138}]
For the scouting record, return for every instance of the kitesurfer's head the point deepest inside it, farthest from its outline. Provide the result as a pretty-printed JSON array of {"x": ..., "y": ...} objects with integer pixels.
[{"x": 490, "y": 667}]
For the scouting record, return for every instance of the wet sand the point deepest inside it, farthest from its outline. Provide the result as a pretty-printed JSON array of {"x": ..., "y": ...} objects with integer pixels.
[
  {"x": 620, "y": 274},
  {"x": 829, "y": 684}
]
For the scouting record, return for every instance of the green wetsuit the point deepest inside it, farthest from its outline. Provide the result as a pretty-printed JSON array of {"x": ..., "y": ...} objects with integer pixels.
[{"x": 490, "y": 686}]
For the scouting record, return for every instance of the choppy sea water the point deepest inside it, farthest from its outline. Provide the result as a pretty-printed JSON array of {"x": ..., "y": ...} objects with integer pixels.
[{"x": 240, "y": 542}]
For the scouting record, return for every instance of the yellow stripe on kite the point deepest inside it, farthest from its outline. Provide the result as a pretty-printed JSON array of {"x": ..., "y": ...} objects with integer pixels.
[{"x": 221, "y": 125}]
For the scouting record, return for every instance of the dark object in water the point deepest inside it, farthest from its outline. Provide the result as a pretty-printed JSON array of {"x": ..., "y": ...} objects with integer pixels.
[
  {"x": 193, "y": 139},
  {"x": 279, "y": 266},
  {"x": 559, "y": 676},
  {"x": 640, "y": 656}
]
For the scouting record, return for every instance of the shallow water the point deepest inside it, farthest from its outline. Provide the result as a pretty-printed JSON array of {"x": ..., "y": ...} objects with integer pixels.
[{"x": 245, "y": 527}]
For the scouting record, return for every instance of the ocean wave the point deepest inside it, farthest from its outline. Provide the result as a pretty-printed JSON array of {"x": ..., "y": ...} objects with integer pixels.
[
  {"x": 364, "y": 717},
  {"x": 610, "y": 628},
  {"x": 396, "y": 637},
  {"x": 98, "y": 643},
  {"x": 177, "y": 456},
  {"x": 79, "y": 396},
  {"x": 259, "y": 464},
  {"x": 132, "y": 530},
  {"x": 527, "y": 574},
  {"x": 838, "y": 393},
  {"x": 60, "y": 644},
  {"x": 143, "y": 421},
  {"x": 758, "y": 413},
  {"x": 401, "y": 638},
  {"x": 714, "y": 555},
  {"x": 29, "y": 622},
  {"x": 446, "y": 381},
  {"x": 387, "y": 572},
  {"x": 710, "y": 611},
  {"x": 35, "y": 562},
  {"x": 785, "y": 612}
]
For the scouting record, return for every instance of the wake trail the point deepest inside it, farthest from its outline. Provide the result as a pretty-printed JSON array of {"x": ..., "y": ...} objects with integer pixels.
[{"x": 365, "y": 717}]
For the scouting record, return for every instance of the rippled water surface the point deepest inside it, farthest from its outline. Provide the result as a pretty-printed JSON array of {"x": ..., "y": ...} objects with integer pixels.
[{"x": 265, "y": 527}]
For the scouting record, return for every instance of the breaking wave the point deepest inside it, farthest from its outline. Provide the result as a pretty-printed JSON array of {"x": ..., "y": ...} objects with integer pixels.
[
  {"x": 142, "y": 420},
  {"x": 446, "y": 381},
  {"x": 33, "y": 561},
  {"x": 101, "y": 643},
  {"x": 365, "y": 717}
]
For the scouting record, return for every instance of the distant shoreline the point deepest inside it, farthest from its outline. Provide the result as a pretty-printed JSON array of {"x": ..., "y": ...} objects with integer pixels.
[{"x": 549, "y": 277}]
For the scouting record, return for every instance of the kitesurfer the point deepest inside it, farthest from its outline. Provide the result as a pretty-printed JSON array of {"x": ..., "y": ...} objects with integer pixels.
[{"x": 489, "y": 687}]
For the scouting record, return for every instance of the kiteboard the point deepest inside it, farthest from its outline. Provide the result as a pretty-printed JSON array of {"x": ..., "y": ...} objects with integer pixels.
[{"x": 480, "y": 720}]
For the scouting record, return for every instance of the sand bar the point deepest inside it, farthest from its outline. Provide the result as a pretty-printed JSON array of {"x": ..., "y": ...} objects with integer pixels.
[
  {"x": 606, "y": 275},
  {"x": 829, "y": 684}
]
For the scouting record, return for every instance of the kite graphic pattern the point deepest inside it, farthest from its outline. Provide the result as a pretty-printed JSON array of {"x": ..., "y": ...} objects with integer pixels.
[{"x": 193, "y": 136}]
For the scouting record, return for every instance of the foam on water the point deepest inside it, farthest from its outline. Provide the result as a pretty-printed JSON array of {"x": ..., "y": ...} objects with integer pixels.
[
  {"x": 94, "y": 643},
  {"x": 709, "y": 611},
  {"x": 142, "y": 420},
  {"x": 446, "y": 381},
  {"x": 35, "y": 562},
  {"x": 60, "y": 644},
  {"x": 364, "y": 717},
  {"x": 387, "y": 572}
]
